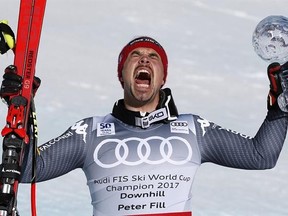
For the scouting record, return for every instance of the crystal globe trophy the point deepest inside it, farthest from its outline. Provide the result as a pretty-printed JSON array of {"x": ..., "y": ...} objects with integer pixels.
[{"x": 270, "y": 42}]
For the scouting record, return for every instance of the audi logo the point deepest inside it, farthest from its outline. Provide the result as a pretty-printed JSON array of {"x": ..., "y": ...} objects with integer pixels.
[
  {"x": 179, "y": 124},
  {"x": 143, "y": 151}
]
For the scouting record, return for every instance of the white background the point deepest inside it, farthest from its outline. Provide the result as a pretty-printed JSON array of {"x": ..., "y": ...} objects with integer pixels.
[{"x": 213, "y": 71}]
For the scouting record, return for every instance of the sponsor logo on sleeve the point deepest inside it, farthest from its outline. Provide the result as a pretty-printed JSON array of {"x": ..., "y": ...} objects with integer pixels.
[
  {"x": 80, "y": 129},
  {"x": 204, "y": 124},
  {"x": 55, "y": 140}
]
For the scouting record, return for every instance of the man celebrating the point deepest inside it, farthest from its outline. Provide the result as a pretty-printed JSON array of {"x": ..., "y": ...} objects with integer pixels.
[{"x": 141, "y": 159}]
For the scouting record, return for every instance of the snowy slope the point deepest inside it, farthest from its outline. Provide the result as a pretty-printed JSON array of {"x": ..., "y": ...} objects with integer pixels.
[{"x": 213, "y": 72}]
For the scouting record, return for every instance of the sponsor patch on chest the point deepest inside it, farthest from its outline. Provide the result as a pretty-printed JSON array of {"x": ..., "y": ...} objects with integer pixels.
[
  {"x": 105, "y": 129},
  {"x": 179, "y": 127}
]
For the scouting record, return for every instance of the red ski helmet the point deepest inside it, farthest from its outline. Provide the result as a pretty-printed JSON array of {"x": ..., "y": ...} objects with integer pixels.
[{"x": 146, "y": 42}]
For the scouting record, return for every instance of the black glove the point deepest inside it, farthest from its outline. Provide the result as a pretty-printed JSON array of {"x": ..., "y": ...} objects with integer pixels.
[
  {"x": 276, "y": 73},
  {"x": 12, "y": 83}
]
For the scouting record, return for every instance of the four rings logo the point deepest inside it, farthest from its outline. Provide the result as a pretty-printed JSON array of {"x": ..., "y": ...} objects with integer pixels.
[
  {"x": 141, "y": 151},
  {"x": 179, "y": 127},
  {"x": 179, "y": 124}
]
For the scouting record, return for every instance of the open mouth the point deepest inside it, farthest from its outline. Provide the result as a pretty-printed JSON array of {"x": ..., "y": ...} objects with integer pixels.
[{"x": 143, "y": 78}]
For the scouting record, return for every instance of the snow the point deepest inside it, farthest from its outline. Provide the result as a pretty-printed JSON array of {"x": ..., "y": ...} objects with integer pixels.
[{"x": 213, "y": 71}]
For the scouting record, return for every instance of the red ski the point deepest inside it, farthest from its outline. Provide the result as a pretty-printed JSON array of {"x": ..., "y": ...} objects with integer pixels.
[{"x": 17, "y": 131}]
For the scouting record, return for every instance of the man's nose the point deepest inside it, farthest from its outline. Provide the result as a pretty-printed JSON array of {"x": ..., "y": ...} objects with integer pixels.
[{"x": 144, "y": 60}]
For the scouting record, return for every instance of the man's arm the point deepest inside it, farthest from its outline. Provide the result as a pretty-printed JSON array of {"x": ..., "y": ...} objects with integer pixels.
[
  {"x": 229, "y": 148},
  {"x": 232, "y": 149},
  {"x": 61, "y": 154}
]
